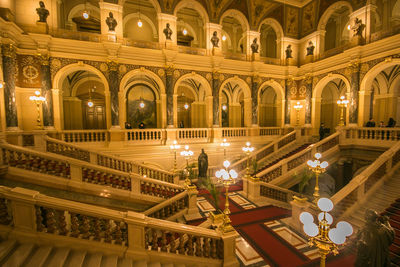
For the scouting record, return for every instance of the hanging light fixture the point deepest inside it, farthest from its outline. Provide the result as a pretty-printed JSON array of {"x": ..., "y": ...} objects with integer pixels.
[
  {"x": 224, "y": 37},
  {"x": 85, "y": 13},
  {"x": 90, "y": 102},
  {"x": 184, "y": 31},
  {"x": 139, "y": 23},
  {"x": 186, "y": 106}
]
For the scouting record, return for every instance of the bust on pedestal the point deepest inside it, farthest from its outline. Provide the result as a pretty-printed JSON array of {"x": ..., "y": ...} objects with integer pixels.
[
  {"x": 310, "y": 52},
  {"x": 289, "y": 57},
  {"x": 357, "y": 29},
  {"x": 43, "y": 13},
  {"x": 254, "y": 50}
]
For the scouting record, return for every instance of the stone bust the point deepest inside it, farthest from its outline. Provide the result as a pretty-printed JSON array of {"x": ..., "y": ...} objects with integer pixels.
[
  {"x": 111, "y": 22},
  {"x": 254, "y": 46},
  {"x": 42, "y": 12},
  {"x": 310, "y": 49},
  {"x": 288, "y": 51},
  {"x": 215, "y": 39},
  {"x": 168, "y": 32}
]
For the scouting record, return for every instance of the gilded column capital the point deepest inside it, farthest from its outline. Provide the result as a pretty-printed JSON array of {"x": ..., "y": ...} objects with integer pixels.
[
  {"x": 308, "y": 78},
  {"x": 112, "y": 65},
  {"x": 44, "y": 59},
  {"x": 8, "y": 50},
  {"x": 169, "y": 69}
]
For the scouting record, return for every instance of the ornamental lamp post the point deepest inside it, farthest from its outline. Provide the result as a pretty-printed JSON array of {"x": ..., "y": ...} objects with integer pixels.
[
  {"x": 38, "y": 100},
  {"x": 187, "y": 154},
  {"x": 298, "y": 107},
  {"x": 317, "y": 167},
  {"x": 247, "y": 150},
  {"x": 226, "y": 178},
  {"x": 342, "y": 103},
  {"x": 323, "y": 236},
  {"x": 225, "y": 144},
  {"x": 174, "y": 147}
]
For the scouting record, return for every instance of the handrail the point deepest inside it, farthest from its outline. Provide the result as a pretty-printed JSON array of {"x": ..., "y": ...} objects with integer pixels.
[
  {"x": 367, "y": 178},
  {"x": 373, "y": 133},
  {"x": 298, "y": 159},
  {"x": 105, "y": 160},
  {"x": 176, "y": 203},
  {"x": 278, "y": 193}
]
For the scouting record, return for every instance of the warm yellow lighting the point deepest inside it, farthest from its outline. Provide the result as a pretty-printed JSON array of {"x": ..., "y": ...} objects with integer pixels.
[
  {"x": 248, "y": 149},
  {"x": 140, "y": 23},
  {"x": 186, "y": 106},
  {"x": 224, "y": 107},
  {"x": 317, "y": 167},
  {"x": 342, "y": 103},
  {"x": 85, "y": 14},
  {"x": 348, "y": 27},
  {"x": 223, "y": 38},
  {"x": 184, "y": 31},
  {"x": 141, "y": 105},
  {"x": 38, "y": 100},
  {"x": 90, "y": 103},
  {"x": 1, "y": 85}
]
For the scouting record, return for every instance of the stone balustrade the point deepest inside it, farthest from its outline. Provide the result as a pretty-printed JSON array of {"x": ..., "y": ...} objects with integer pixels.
[
  {"x": 80, "y": 136},
  {"x": 149, "y": 135},
  {"x": 277, "y": 193},
  {"x": 156, "y": 188},
  {"x": 34, "y": 217},
  {"x": 235, "y": 132},
  {"x": 189, "y": 134},
  {"x": 169, "y": 207},
  {"x": 365, "y": 182},
  {"x": 385, "y": 136}
]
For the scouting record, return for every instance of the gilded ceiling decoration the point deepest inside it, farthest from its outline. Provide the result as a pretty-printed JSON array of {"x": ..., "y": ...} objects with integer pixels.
[{"x": 259, "y": 8}]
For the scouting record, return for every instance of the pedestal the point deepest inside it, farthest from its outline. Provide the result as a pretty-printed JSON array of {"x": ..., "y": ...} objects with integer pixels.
[
  {"x": 170, "y": 45},
  {"x": 216, "y": 51},
  {"x": 298, "y": 206},
  {"x": 255, "y": 57},
  {"x": 357, "y": 40},
  {"x": 290, "y": 62},
  {"x": 309, "y": 59},
  {"x": 42, "y": 27}
]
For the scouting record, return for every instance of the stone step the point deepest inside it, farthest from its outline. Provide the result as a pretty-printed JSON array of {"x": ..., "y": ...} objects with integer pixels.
[
  {"x": 109, "y": 261},
  {"x": 75, "y": 259},
  {"x": 40, "y": 256},
  {"x": 93, "y": 260},
  {"x": 6, "y": 247},
  {"x": 58, "y": 257},
  {"x": 19, "y": 255}
]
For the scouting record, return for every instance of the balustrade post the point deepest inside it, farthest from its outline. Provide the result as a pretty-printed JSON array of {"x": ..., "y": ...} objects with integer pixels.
[
  {"x": 40, "y": 141},
  {"x": 76, "y": 173},
  {"x": 229, "y": 246},
  {"x": 298, "y": 206},
  {"x": 360, "y": 191},
  {"x": 245, "y": 186},
  {"x": 253, "y": 187},
  {"x": 135, "y": 184},
  {"x": 192, "y": 203},
  {"x": 23, "y": 209},
  {"x": 93, "y": 158},
  {"x": 136, "y": 234}
]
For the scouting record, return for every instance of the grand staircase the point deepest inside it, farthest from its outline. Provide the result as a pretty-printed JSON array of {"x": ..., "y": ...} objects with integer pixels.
[{"x": 14, "y": 254}]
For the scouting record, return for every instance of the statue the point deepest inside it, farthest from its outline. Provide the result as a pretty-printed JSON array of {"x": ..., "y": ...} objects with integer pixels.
[
  {"x": 373, "y": 241},
  {"x": 42, "y": 12},
  {"x": 289, "y": 51},
  {"x": 202, "y": 162},
  {"x": 358, "y": 27},
  {"x": 168, "y": 32},
  {"x": 215, "y": 39},
  {"x": 310, "y": 49},
  {"x": 111, "y": 22},
  {"x": 254, "y": 46}
]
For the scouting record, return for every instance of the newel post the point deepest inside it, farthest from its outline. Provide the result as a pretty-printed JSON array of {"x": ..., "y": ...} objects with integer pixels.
[
  {"x": 229, "y": 240},
  {"x": 136, "y": 235},
  {"x": 23, "y": 209}
]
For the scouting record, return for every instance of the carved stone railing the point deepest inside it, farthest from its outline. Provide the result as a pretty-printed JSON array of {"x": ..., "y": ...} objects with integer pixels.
[
  {"x": 169, "y": 207},
  {"x": 374, "y": 134},
  {"x": 79, "y": 136},
  {"x": 266, "y": 131},
  {"x": 365, "y": 182},
  {"x": 155, "y": 135},
  {"x": 192, "y": 50},
  {"x": 285, "y": 166},
  {"x": 75, "y": 35},
  {"x": 200, "y": 134},
  {"x": 235, "y": 132},
  {"x": 73, "y": 151},
  {"x": 82, "y": 172},
  {"x": 277, "y": 193},
  {"x": 50, "y": 219},
  {"x": 141, "y": 44}
]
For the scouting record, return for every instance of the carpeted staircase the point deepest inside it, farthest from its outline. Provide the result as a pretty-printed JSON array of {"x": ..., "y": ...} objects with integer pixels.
[
  {"x": 394, "y": 214},
  {"x": 285, "y": 153}
]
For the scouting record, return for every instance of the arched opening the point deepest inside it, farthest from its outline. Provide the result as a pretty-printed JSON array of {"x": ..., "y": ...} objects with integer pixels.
[
  {"x": 270, "y": 107},
  {"x": 83, "y": 17},
  {"x": 84, "y": 104},
  {"x": 269, "y": 47},
  {"x": 140, "y": 21},
  {"x": 337, "y": 28},
  {"x": 190, "y": 24},
  {"x": 225, "y": 110},
  {"x": 234, "y": 25},
  {"x": 330, "y": 111},
  {"x": 141, "y": 101},
  {"x": 141, "y": 107},
  {"x": 385, "y": 95},
  {"x": 192, "y": 102}
]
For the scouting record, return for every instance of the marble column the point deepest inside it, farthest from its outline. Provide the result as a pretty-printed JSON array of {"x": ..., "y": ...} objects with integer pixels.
[
  {"x": 308, "y": 104},
  {"x": 287, "y": 103},
  {"x": 254, "y": 100},
  {"x": 9, "y": 62},
  {"x": 215, "y": 92},
  {"x": 48, "y": 115},
  {"x": 354, "y": 88},
  {"x": 114, "y": 88},
  {"x": 169, "y": 84}
]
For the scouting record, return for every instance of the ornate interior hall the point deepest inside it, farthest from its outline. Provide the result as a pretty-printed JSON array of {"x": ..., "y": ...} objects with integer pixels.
[{"x": 199, "y": 133}]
